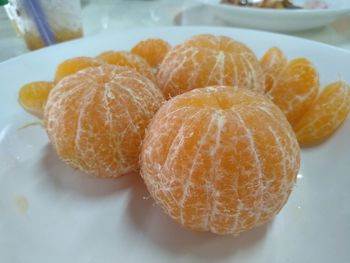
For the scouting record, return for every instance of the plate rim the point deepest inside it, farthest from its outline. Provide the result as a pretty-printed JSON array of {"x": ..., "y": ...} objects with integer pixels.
[{"x": 167, "y": 28}]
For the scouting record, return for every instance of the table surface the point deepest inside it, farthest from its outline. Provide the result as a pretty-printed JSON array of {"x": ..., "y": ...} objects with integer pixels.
[{"x": 105, "y": 15}]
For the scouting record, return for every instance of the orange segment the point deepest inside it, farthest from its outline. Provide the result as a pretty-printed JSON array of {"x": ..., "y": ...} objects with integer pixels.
[
  {"x": 295, "y": 89},
  {"x": 153, "y": 50},
  {"x": 220, "y": 159},
  {"x": 33, "y": 96},
  {"x": 328, "y": 112},
  {"x": 127, "y": 59},
  {"x": 72, "y": 65},
  {"x": 96, "y": 118},
  {"x": 272, "y": 63},
  {"x": 207, "y": 60}
]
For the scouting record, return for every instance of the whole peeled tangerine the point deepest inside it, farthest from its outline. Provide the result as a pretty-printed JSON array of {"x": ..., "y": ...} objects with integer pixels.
[
  {"x": 220, "y": 159},
  {"x": 208, "y": 60},
  {"x": 96, "y": 118}
]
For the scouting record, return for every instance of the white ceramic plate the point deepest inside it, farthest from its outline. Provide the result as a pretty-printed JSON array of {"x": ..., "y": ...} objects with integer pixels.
[
  {"x": 279, "y": 20},
  {"x": 51, "y": 213}
]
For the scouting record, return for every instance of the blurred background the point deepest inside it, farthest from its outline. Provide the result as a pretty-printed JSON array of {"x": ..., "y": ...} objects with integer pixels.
[{"x": 115, "y": 15}]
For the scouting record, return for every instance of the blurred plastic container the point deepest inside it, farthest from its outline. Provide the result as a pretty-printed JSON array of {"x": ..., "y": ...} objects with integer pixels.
[{"x": 45, "y": 22}]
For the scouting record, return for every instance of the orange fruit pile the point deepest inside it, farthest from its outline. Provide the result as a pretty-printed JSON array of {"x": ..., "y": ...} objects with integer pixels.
[
  {"x": 220, "y": 159},
  {"x": 207, "y": 60},
  {"x": 96, "y": 118},
  {"x": 222, "y": 154}
]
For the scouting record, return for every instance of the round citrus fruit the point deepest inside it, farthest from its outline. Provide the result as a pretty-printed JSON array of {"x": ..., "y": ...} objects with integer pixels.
[
  {"x": 128, "y": 59},
  {"x": 153, "y": 50},
  {"x": 33, "y": 96},
  {"x": 220, "y": 159},
  {"x": 328, "y": 112},
  {"x": 207, "y": 60},
  {"x": 73, "y": 65},
  {"x": 96, "y": 118}
]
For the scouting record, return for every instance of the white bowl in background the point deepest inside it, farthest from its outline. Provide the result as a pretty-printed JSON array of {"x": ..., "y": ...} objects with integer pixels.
[{"x": 280, "y": 20}]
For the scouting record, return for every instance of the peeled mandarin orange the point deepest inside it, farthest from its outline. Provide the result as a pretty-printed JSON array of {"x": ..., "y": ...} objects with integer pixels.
[
  {"x": 272, "y": 64},
  {"x": 153, "y": 50},
  {"x": 220, "y": 159},
  {"x": 207, "y": 60},
  {"x": 73, "y": 65},
  {"x": 328, "y": 112},
  {"x": 33, "y": 96},
  {"x": 295, "y": 89},
  {"x": 127, "y": 59},
  {"x": 96, "y": 118}
]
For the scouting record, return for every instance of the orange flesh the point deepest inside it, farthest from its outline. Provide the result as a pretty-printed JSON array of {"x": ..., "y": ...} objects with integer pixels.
[
  {"x": 96, "y": 118},
  {"x": 207, "y": 60},
  {"x": 153, "y": 50},
  {"x": 33, "y": 96},
  {"x": 272, "y": 63},
  {"x": 220, "y": 159},
  {"x": 295, "y": 89},
  {"x": 328, "y": 112}
]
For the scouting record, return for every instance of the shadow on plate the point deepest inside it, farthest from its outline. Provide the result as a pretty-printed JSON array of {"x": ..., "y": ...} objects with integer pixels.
[
  {"x": 157, "y": 227},
  {"x": 61, "y": 177},
  {"x": 146, "y": 217}
]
